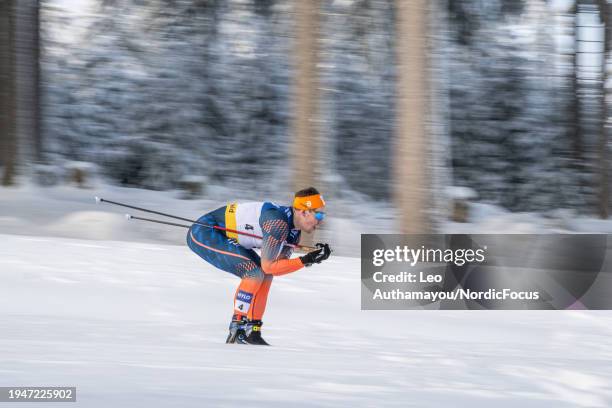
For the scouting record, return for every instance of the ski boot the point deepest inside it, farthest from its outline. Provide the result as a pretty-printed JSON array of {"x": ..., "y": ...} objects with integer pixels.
[
  {"x": 236, "y": 329},
  {"x": 243, "y": 331},
  {"x": 252, "y": 334}
]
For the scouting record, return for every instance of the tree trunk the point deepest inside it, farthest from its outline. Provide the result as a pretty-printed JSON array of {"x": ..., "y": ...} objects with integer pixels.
[
  {"x": 306, "y": 122},
  {"x": 411, "y": 155},
  {"x": 8, "y": 145},
  {"x": 604, "y": 191},
  {"x": 307, "y": 125},
  {"x": 27, "y": 80},
  {"x": 573, "y": 111}
]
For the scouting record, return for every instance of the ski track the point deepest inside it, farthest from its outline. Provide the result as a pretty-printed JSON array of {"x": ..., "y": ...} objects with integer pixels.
[{"x": 132, "y": 324}]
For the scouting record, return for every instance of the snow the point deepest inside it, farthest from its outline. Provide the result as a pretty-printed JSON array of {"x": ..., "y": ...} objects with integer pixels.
[
  {"x": 561, "y": 6},
  {"x": 129, "y": 315},
  {"x": 124, "y": 311},
  {"x": 79, "y": 13},
  {"x": 71, "y": 212},
  {"x": 461, "y": 193},
  {"x": 133, "y": 324}
]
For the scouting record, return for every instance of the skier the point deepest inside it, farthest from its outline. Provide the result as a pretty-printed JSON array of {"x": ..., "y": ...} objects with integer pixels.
[{"x": 232, "y": 252}]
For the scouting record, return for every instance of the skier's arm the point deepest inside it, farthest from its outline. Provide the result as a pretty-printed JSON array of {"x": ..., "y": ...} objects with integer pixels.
[{"x": 274, "y": 260}]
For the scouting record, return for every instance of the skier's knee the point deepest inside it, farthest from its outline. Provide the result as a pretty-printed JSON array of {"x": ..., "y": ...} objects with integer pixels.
[
  {"x": 251, "y": 270},
  {"x": 257, "y": 274}
]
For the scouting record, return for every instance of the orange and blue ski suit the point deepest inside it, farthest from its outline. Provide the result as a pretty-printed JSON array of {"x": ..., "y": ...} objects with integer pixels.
[{"x": 235, "y": 253}]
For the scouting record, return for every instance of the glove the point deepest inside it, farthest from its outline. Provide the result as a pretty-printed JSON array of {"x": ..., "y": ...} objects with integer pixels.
[{"x": 317, "y": 256}]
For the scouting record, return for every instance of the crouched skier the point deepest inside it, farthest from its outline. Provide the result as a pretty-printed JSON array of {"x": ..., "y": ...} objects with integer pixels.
[{"x": 280, "y": 228}]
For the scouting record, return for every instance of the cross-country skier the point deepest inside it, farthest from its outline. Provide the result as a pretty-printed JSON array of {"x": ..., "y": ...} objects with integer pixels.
[{"x": 231, "y": 252}]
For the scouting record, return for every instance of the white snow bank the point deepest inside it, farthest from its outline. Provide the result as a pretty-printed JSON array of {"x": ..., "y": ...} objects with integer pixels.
[
  {"x": 460, "y": 193},
  {"x": 71, "y": 212},
  {"x": 87, "y": 225}
]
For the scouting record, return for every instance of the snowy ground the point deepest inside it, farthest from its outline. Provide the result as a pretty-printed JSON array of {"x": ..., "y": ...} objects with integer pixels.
[
  {"x": 140, "y": 322},
  {"x": 132, "y": 324}
]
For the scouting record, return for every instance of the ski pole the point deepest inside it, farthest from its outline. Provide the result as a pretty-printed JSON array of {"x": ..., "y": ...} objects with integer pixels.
[
  {"x": 133, "y": 217},
  {"x": 102, "y": 200}
]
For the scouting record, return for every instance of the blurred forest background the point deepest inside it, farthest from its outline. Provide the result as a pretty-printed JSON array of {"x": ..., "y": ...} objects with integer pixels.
[{"x": 383, "y": 101}]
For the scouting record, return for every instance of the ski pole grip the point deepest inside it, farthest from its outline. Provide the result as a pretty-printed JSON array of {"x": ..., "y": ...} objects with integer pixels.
[{"x": 308, "y": 248}]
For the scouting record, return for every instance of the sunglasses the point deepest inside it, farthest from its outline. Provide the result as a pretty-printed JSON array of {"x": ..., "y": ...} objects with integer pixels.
[{"x": 319, "y": 215}]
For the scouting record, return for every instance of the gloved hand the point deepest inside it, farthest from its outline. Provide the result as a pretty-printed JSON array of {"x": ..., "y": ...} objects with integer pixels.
[{"x": 317, "y": 256}]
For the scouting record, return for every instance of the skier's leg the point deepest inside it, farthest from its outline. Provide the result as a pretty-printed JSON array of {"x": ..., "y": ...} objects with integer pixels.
[
  {"x": 261, "y": 298},
  {"x": 245, "y": 329},
  {"x": 250, "y": 285},
  {"x": 249, "y": 304},
  {"x": 222, "y": 252},
  {"x": 258, "y": 284}
]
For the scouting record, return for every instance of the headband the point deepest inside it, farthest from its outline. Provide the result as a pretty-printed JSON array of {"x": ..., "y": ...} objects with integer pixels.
[{"x": 311, "y": 202}]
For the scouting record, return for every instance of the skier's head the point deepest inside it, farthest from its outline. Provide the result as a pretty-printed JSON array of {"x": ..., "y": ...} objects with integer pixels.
[{"x": 308, "y": 206}]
